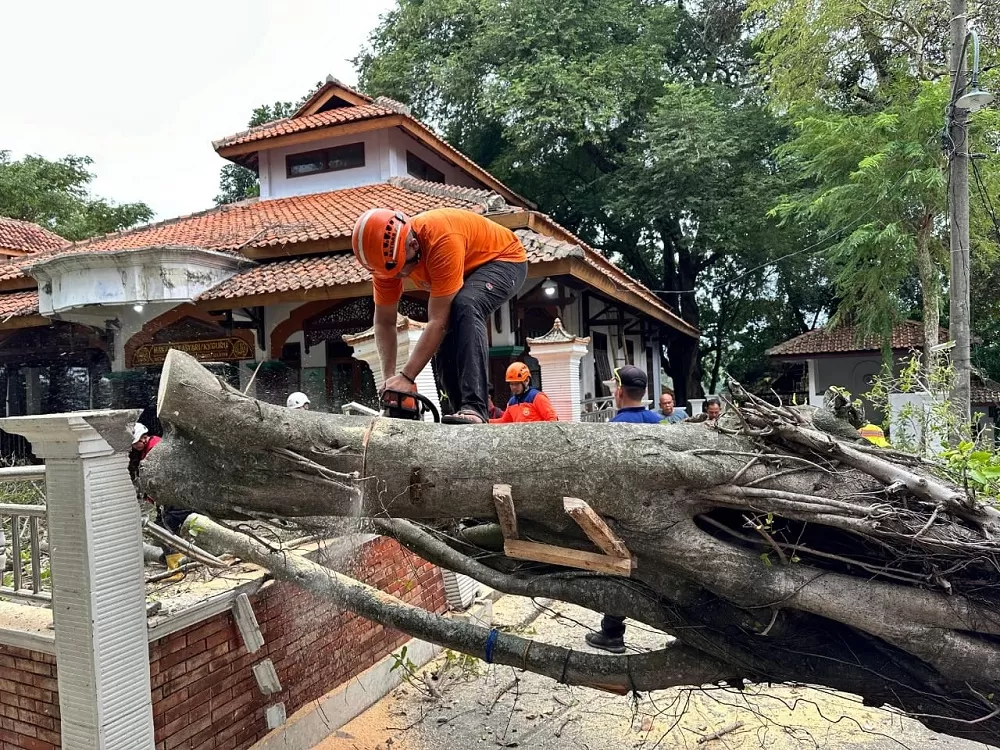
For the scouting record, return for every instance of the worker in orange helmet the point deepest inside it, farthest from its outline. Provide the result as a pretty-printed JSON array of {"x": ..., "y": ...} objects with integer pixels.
[
  {"x": 526, "y": 404},
  {"x": 470, "y": 265}
]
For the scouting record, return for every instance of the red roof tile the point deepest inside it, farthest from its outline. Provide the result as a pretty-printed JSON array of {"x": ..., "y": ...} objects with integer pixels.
[
  {"x": 281, "y": 221},
  {"x": 308, "y": 272},
  {"x": 18, "y": 304},
  {"x": 305, "y": 123},
  {"x": 23, "y": 235},
  {"x": 845, "y": 339}
]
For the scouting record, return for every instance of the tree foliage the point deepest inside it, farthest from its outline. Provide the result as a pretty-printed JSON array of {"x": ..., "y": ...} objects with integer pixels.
[
  {"x": 867, "y": 84},
  {"x": 625, "y": 120},
  {"x": 56, "y": 195}
]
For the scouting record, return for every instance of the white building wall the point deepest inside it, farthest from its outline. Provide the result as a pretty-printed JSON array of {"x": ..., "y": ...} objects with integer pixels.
[
  {"x": 385, "y": 157},
  {"x": 400, "y": 142},
  {"x": 275, "y": 184}
]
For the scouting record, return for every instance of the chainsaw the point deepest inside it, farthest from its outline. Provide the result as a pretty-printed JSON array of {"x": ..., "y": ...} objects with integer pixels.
[{"x": 407, "y": 405}]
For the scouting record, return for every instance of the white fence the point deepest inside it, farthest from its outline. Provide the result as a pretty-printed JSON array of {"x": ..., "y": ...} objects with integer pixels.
[{"x": 25, "y": 523}]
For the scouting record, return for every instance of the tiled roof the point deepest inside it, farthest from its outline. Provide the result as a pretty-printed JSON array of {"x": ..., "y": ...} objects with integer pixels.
[
  {"x": 984, "y": 391},
  {"x": 23, "y": 235},
  {"x": 18, "y": 304},
  {"x": 845, "y": 339},
  {"x": 492, "y": 202},
  {"x": 316, "y": 271},
  {"x": 256, "y": 223},
  {"x": 307, "y": 272},
  {"x": 281, "y": 221},
  {"x": 305, "y": 123}
]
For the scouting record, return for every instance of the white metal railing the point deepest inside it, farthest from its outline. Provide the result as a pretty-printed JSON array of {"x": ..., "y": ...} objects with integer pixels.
[
  {"x": 600, "y": 409},
  {"x": 25, "y": 537}
]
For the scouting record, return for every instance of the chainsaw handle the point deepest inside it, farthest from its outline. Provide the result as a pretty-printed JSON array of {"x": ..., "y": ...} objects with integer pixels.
[
  {"x": 418, "y": 397},
  {"x": 429, "y": 405}
]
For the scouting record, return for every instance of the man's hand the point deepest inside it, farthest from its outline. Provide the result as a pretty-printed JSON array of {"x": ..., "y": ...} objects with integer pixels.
[{"x": 399, "y": 383}]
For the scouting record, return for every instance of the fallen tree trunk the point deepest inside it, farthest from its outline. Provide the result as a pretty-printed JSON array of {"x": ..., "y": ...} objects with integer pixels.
[{"x": 774, "y": 550}]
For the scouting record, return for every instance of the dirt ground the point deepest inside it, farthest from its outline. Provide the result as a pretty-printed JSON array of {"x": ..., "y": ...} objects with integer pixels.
[{"x": 480, "y": 706}]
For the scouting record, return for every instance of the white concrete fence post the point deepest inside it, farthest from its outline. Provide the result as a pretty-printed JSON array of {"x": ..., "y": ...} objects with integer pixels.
[
  {"x": 98, "y": 592},
  {"x": 407, "y": 334},
  {"x": 559, "y": 353}
]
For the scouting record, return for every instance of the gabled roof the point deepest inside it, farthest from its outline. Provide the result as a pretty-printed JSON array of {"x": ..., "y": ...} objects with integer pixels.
[
  {"x": 846, "y": 339},
  {"x": 336, "y": 109},
  {"x": 27, "y": 237},
  {"x": 331, "y": 89}
]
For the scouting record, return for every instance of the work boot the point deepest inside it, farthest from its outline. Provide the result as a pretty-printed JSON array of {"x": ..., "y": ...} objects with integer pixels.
[{"x": 616, "y": 645}]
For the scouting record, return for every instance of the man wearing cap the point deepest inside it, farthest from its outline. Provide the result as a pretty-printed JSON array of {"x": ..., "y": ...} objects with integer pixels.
[
  {"x": 630, "y": 390},
  {"x": 470, "y": 266}
]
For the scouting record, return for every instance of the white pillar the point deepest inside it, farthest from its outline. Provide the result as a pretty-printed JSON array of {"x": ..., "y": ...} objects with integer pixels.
[
  {"x": 98, "y": 592},
  {"x": 407, "y": 333},
  {"x": 559, "y": 353}
]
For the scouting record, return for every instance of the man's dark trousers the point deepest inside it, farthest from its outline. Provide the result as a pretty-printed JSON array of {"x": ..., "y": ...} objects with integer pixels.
[{"x": 462, "y": 360}]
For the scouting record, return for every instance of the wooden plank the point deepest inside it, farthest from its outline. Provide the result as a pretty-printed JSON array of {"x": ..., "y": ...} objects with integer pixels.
[
  {"x": 505, "y": 510},
  {"x": 246, "y": 621},
  {"x": 595, "y": 528},
  {"x": 569, "y": 558}
]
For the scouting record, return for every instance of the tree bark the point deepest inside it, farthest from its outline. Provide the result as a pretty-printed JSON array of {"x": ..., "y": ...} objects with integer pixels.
[{"x": 774, "y": 550}]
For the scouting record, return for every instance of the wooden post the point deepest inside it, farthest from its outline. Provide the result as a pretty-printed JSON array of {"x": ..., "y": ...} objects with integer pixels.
[
  {"x": 595, "y": 528},
  {"x": 505, "y": 510}
]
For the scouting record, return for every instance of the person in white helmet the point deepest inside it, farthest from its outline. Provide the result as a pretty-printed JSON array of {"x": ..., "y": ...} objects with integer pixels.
[{"x": 297, "y": 400}]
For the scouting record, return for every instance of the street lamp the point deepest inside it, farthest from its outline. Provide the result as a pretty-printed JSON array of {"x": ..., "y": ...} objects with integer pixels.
[{"x": 975, "y": 98}]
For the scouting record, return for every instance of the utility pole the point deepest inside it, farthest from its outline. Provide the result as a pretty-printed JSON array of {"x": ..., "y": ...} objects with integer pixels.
[{"x": 958, "y": 209}]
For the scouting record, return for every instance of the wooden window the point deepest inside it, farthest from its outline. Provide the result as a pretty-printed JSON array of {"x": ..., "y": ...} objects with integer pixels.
[
  {"x": 417, "y": 167},
  {"x": 350, "y": 156}
]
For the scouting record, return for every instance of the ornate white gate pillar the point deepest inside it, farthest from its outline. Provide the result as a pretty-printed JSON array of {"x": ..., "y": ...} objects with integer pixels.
[
  {"x": 407, "y": 333},
  {"x": 98, "y": 591},
  {"x": 559, "y": 353}
]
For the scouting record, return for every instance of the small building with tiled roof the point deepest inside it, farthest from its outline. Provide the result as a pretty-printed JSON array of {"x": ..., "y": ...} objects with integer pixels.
[
  {"x": 273, "y": 280},
  {"x": 846, "y": 357}
]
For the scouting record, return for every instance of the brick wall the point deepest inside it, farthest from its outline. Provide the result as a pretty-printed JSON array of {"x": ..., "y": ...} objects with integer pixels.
[
  {"x": 29, "y": 700},
  {"x": 206, "y": 697}
]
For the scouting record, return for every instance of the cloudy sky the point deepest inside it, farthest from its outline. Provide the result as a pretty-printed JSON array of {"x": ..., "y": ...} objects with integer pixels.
[{"x": 143, "y": 88}]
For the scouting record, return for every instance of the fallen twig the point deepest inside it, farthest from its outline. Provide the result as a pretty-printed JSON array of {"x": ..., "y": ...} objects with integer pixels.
[{"x": 716, "y": 735}]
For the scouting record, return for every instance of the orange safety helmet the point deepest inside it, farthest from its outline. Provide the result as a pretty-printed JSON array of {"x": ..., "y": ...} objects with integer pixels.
[
  {"x": 379, "y": 241},
  {"x": 518, "y": 372}
]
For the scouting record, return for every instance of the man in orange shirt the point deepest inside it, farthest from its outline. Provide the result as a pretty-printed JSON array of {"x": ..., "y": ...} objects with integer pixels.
[
  {"x": 470, "y": 265},
  {"x": 526, "y": 404}
]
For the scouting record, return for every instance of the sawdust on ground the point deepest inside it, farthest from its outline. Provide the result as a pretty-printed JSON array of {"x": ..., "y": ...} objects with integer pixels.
[{"x": 484, "y": 706}]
